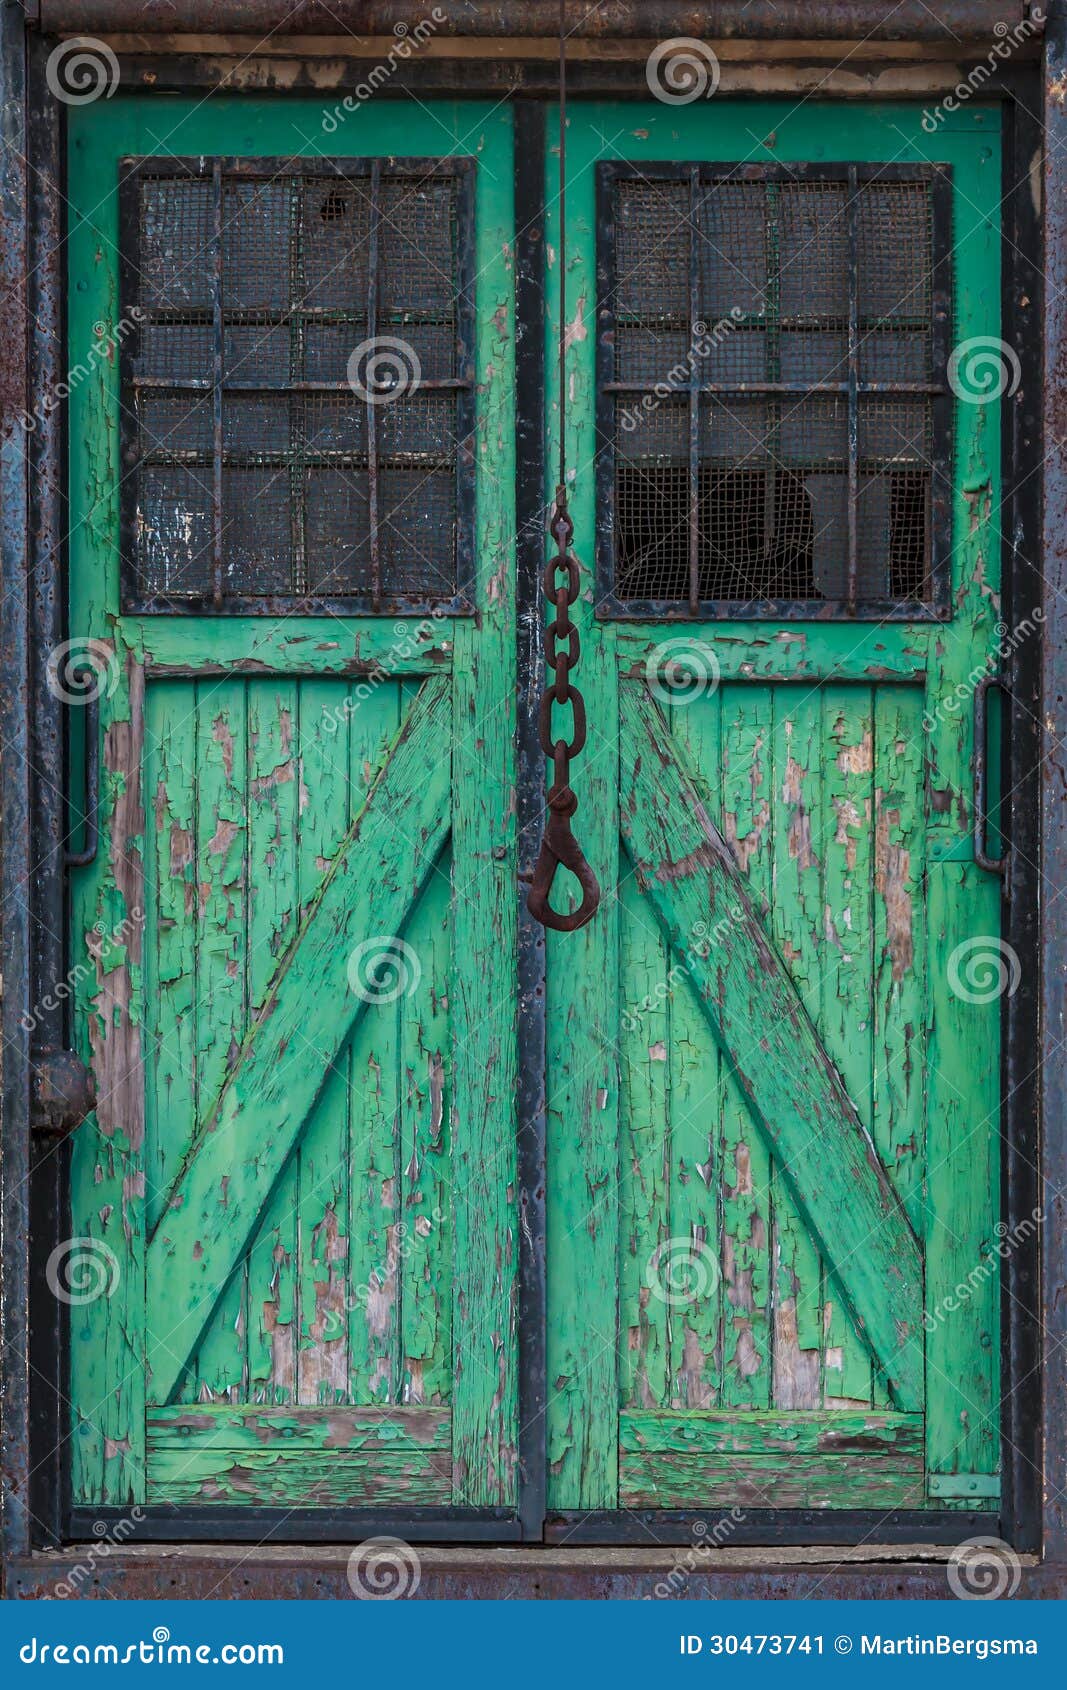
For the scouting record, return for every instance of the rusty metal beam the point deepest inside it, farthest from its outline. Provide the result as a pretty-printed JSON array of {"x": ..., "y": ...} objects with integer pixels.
[
  {"x": 942, "y": 20},
  {"x": 307, "y": 1573},
  {"x": 15, "y": 822}
]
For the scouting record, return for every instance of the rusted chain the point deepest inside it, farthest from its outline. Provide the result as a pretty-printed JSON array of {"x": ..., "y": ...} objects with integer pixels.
[{"x": 562, "y": 583}]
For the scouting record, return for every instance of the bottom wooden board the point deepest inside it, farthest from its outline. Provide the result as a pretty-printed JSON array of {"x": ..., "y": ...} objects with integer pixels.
[
  {"x": 799, "y": 1460},
  {"x": 328, "y": 1457}
]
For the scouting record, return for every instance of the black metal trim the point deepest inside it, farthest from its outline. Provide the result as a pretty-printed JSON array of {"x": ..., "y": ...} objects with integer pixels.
[
  {"x": 158, "y": 1523},
  {"x": 765, "y": 1527},
  {"x": 937, "y": 606},
  {"x": 1023, "y": 451},
  {"x": 462, "y": 168},
  {"x": 530, "y": 520}
]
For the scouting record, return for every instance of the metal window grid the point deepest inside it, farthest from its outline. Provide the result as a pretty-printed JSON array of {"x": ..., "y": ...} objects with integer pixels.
[
  {"x": 827, "y": 370},
  {"x": 284, "y": 488}
]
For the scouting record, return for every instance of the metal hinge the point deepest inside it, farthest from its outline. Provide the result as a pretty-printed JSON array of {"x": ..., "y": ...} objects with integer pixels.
[
  {"x": 963, "y": 1487},
  {"x": 63, "y": 1093}
]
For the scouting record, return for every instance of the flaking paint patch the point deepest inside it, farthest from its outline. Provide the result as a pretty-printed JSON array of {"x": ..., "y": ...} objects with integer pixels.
[{"x": 891, "y": 879}]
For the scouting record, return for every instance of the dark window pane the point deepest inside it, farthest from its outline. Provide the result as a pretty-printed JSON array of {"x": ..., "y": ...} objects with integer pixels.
[
  {"x": 262, "y": 362},
  {"x": 772, "y": 330}
]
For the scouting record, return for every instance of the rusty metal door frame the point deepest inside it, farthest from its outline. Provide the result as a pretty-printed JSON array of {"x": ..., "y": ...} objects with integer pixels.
[{"x": 32, "y": 478}]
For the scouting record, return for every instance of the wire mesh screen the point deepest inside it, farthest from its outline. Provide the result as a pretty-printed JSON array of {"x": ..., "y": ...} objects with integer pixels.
[
  {"x": 772, "y": 378},
  {"x": 298, "y": 387}
]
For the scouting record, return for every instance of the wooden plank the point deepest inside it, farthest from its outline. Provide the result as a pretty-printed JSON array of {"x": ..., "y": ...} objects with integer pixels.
[
  {"x": 310, "y": 1010},
  {"x": 301, "y": 1478},
  {"x": 645, "y": 1257},
  {"x": 756, "y": 1481},
  {"x": 273, "y": 912},
  {"x": 796, "y": 1460},
  {"x": 762, "y": 651},
  {"x": 898, "y": 1123},
  {"x": 218, "y": 1370},
  {"x": 795, "y": 1093},
  {"x": 847, "y": 974},
  {"x": 170, "y": 935},
  {"x": 747, "y": 800},
  {"x": 238, "y": 1427},
  {"x": 963, "y": 1168},
  {"x": 321, "y": 1156},
  {"x": 374, "y": 1106},
  {"x": 425, "y": 1086},
  {"x": 695, "y": 1084},
  {"x": 797, "y": 916},
  {"x": 483, "y": 998},
  {"x": 368, "y": 652},
  {"x": 583, "y": 1129}
]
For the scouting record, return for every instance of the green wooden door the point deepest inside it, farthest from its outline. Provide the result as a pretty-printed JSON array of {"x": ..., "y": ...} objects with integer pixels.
[
  {"x": 772, "y": 1073},
  {"x": 773, "y": 1088},
  {"x": 299, "y": 1184}
]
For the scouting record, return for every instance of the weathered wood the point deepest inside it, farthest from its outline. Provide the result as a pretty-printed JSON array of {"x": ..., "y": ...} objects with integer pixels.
[
  {"x": 846, "y": 977},
  {"x": 222, "y": 869},
  {"x": 222, "y": 1426},
  {"x": 963, "y": 1180},
  {"x": 309, "y": 1011},
  {"x": 101, "y": 1266},
  {"x": 260, "y": 647},
  {"x": 424, "y": 1144},
  {"x": 373, "y": 1152},
  {"x": 322, "y": 1165},
  {"x": 901, "y": 944},
  {"x": 745, "y": 793},
  {"x": 792, "y": 1460},
  {"x": 795, "y": 1094},
  {"x": 484, "y": 993},
  {"x": 644, "y": 1173},
  {"x": 696, "y": 1081},
  {"x": 762, "y": 651},
  {"x": 279, "y": 1477},
  {"x": 273, "y": 912}
]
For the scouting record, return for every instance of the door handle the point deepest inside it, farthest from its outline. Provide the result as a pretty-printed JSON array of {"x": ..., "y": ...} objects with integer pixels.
[{"x": 995, "y": 865}]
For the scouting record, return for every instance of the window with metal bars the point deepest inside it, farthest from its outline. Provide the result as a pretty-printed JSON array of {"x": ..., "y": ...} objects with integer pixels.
[
  {"x": 774, "y": 417},
  {"x": 298, "y": 389}
]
